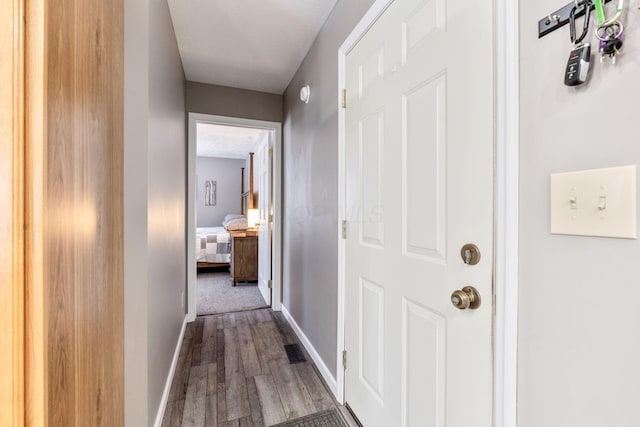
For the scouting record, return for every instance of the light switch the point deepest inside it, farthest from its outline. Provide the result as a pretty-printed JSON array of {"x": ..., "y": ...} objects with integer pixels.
[{"x": 597, "y": 202}]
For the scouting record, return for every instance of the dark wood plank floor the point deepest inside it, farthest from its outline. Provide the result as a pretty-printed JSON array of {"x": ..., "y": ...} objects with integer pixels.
[{"x": 233, "y": 371}]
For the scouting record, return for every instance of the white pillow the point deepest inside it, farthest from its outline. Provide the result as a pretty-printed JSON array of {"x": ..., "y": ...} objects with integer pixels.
[
  {"x": 229, "y": 217},
  {"x": 237, "y": 224}
]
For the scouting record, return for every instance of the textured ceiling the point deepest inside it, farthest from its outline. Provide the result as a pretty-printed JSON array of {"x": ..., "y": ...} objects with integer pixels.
[
  {"x": 248, "y": 44},
  {"x": 229, "y": 142}
]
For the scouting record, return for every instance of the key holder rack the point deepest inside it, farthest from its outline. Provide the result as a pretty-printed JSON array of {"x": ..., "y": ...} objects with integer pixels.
[{"x": 560, "y": 18}]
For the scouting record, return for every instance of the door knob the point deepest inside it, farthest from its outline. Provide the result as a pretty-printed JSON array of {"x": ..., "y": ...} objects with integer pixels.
[{"x": 466, "y": 298}]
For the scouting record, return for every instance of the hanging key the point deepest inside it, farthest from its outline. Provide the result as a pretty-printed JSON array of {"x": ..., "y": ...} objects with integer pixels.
[
  {"x": 610, "y": 40},
  {"x": 579, "y": 61},
  {"x": 578, "y": 65},
  {"x": 610, "y": 48}
]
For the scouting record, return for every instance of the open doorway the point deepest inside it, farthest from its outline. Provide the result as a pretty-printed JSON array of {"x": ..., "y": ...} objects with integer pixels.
[{"x": 233, "y": 215}]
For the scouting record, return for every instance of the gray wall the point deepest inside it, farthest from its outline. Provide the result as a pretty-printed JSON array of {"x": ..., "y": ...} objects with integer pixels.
[
  {"x": 136, "y": 145},
  {"x": 578, "y": 328},
  {"x": 167, "y": 194},
  {"x": 227, "y": 174},
  {"x": 155, "y": 248},
  {"x": 310, "y": 222},
  {"x": 232, "y": 102}
]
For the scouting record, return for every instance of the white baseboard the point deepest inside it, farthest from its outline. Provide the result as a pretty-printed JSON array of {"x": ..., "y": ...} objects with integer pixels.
[
  {"x": 322, "y": 367},
  {"x": 172, "y": 370}
]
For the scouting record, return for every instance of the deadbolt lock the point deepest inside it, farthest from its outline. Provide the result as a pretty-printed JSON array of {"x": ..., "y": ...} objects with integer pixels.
[
  {"x": 470, "y": 254},
  {"x": 466, "y": 298}
]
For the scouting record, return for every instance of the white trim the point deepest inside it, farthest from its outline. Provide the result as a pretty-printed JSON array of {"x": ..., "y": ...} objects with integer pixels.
[
  {"x": 322, "y": 367},
  {"x": 167, "y": 384},
  {"x": 191, "y": 220},
  {"x": 276, "y": 267},
  {"x": 506, "y": 208},
  {"x": 375, "y": 11},
  {"x": 507, "y": 175},
  {"x": 341, "y": 242}
]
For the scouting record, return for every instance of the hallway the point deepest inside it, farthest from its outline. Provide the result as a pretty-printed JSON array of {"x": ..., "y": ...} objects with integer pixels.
[{"x": 233, "y": 371}]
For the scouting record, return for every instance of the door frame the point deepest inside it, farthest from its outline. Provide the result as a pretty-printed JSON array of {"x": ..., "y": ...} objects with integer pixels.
[
  {"x": 506, "y": 178},
  {"x": 13, "y": 387},
  {"x": 23, "y": 392},
  {"x": 276, "y": 263}
]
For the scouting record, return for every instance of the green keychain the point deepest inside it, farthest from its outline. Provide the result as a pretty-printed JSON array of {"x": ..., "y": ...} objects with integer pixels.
[
  {"x": 609, "y": 31},
  {"x": 601, "y": 16},
  {"x": 599, "y": 11}
]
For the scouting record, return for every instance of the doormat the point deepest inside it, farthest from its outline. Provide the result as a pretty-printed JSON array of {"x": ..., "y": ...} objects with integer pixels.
[
  {"x": 294, "y": 353},
  {"x": 329, "y": 418}
]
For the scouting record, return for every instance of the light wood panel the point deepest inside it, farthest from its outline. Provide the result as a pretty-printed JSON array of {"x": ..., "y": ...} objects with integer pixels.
[
  {"x": 99, "y": 80},
  {"x": 11, "y": 214},
  {"x": 82, "y": 221},
  {"x": 61, "y": 216},
  {"x": 35, "y": 337},
  {"x": 61, "y": 113}
]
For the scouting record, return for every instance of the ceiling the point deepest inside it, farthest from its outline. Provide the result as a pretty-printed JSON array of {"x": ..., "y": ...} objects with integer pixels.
[
  {"x": 247, "y": 44},
  {"x": 229, "y": 142}
]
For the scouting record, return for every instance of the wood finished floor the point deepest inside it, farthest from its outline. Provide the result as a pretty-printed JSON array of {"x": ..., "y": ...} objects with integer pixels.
[{"x": 233, "y": 371}]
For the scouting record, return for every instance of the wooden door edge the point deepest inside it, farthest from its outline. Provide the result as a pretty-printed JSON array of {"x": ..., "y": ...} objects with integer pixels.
[
  {"x": 12, "y": 213},
  {"x": 35, "y": 149}
]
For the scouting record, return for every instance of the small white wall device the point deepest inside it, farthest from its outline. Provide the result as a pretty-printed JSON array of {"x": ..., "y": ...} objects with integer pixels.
[{"x": 305, "y": 94}]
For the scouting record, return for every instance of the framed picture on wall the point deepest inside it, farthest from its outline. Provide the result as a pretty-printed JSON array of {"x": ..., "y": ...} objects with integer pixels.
[{"x": 210, "y": 193}]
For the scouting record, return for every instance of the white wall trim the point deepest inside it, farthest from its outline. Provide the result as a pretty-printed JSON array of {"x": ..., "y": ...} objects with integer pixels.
[
  {"x": 507, "y": 178},
  {"x": 276, "y": 267},
  {"x": 341, "y": 243},
  {"x": 506, "y": 208},
  {"x": 167, "y": 384},
  {"x": 372, "y": 15},
  {"x": 322, "y": 367}
]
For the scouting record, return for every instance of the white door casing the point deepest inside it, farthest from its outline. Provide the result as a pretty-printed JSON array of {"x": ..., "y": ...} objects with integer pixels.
[
  {"x": 276, "y": 224},
  {"x": 419, "y": 185},
  {"x": 263, "y": 169}
]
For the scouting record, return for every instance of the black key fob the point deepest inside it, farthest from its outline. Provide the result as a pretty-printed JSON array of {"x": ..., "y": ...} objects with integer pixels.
[{"x": 578, "y": 65}]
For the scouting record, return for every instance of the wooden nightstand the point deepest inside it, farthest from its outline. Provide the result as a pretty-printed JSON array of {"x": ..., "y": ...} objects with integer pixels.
[{"x": 244, "y": 257}]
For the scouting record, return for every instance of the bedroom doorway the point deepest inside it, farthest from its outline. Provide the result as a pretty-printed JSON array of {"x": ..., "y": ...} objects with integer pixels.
[{"x": 233, "y": 215}]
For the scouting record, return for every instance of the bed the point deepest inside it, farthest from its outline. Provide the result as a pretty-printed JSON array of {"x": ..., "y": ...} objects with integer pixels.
[
  {"x": 213, "y": 244},
  {"x": 213, "y": 247}
]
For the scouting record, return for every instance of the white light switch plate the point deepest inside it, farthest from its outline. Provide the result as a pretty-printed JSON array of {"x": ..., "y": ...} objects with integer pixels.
[{"x": 597, "y": 202}]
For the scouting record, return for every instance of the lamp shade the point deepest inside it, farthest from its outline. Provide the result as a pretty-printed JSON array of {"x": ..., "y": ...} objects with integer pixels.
[{"x": 253, "y": 218}]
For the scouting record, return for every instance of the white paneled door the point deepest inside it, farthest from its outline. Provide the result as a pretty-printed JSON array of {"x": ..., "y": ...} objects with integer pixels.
[
  {"x": 264, "y": 205},
  {"x": 419, "y": 186}
]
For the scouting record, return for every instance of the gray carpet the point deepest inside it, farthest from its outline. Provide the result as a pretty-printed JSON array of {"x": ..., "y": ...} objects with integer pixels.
[
  {"x": 216, "y": 295},
  {"x": 329, "y": 418}
]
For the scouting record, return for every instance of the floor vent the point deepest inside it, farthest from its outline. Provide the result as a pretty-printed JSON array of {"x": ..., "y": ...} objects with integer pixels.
[
  {"x": 294, "y": 353},
  {"x": 320, "y": 419}
]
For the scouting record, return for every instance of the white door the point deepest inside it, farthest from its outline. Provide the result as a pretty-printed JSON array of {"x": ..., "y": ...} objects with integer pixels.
[
  {"x": 419, "y": 185},
  {"x": 264, "y": 205}
]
